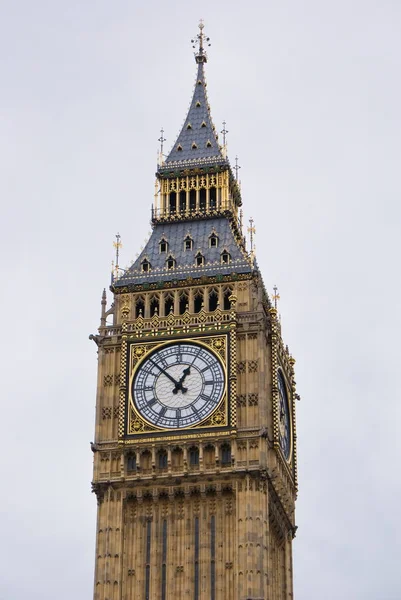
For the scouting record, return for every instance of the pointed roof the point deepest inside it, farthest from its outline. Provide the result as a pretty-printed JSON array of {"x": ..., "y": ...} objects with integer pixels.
[{"x": 197, "y": 141}]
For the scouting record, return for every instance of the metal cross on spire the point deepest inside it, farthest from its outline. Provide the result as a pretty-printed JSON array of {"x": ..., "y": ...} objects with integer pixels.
[
  {"x": 276, "y": 296},
  {"x": 161, "y": 140},
  {"x": 224, "y": 131},
  {"x": 236, "y": 168}
]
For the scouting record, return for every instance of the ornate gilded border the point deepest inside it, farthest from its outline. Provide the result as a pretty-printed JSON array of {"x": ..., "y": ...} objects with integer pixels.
[{"x": 136, "y": 352}]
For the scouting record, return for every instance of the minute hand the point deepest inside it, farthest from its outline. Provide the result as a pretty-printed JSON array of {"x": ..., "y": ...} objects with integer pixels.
[{"x": 165, "y": 372}]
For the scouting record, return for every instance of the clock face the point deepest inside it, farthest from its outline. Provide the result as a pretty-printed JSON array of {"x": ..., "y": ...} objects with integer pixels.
[
  {"x": 284, "y": 417},
  {"x": 178, "y": 385}
]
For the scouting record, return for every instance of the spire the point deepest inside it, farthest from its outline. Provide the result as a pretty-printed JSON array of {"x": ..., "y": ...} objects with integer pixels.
[{"x": 197, "y": 141}]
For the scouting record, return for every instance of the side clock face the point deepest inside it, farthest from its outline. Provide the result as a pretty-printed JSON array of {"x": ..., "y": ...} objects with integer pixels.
[
  {"x": 284, "y": 417},
  {"x": 178, "y": 385}
]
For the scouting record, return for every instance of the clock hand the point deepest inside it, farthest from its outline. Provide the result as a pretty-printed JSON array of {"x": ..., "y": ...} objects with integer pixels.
[
  {"x": 178, "y": 385},
  {"x": 164, "y": 371}
]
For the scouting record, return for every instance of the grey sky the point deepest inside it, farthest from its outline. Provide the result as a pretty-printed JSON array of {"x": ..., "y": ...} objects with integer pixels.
[{"x": 311, "y": 94}]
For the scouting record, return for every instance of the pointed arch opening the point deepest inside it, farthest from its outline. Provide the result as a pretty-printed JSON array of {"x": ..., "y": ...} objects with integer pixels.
[
  {"x": 213, "y": 299},
  {"x": 183, "y": 201},
  {"x": 213, "y": 198},
  {"x": 168, "y": 304},
  {"x": 226, "y": 299},
  {"x": 199, "y": 259},
  {"x": 184, "y": 298},
  {"x": 154, "y": 305},
  {"x": 198, "y": 301},
  {"x": 139, "y": 307},
  {"x": 192, "y": 200},
  {"x": 202, "y": 199},
  {"x": 173, "y": 202}
]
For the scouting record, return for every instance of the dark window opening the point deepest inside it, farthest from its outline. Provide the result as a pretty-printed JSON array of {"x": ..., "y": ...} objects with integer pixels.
[
  {"x": 203, "y": 124},
  {"x": 194, "y": 456},
  {"x": 214, "y": 241},
  {"x": 154, "y": 305},
  {"x": 179, "y": 148},
  {"x": 199, "y": 259},
  {"x": 225, "y": 258},
  {"x": 202, "y": 199},
  {"x": 225, "y": 455},
  {"x": 213, "y": 300},
  {"x": 162, "y": 460},
  {"x": 183, "y": 201},
  {"x": 173, "y": 202},
  {"x": 163, "y": 246},
  {"x": 170, "y": 263},
  {"x": 188, "y": 243},
  {"x": 131, "y": 462},
  {"x": 183, "y": 303},
  {"x": 208, "y": 144},
  {"x": 198, "y": 302},
  {"x": 226, "y": 300},
  {"x": 139, "y": 308},
  {"x": 189, "y": 126},
  {"x": 168, "y": 305},
  {"x": 192, "y": 200},
  {"x": 213, "y": 197},
  {"x": 145, "y": 266},
  {"x": 194, "y": 146}
]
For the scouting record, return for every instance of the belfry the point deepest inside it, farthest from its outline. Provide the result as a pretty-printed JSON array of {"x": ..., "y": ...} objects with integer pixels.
[{"x": 195, "y": 446}]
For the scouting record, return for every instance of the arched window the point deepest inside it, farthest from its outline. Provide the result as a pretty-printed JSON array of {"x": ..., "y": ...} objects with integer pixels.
[
  {"x": 188, "y": 243},
  {"x": 168, "y": 304},
  {"x": 131, "y": 462},
  {"x": 202, "y": 199},
  {"x": 192, "y": 200},
  {"x": 146, "y": 460},
  {"x": 139, "y": 307},
  {"x": 183, "y": 302},
  {"x": 226, "y": 299},
  {"x": 162, "y": 459},
  {"x": 163, "y": 245},
  {"x": 194, "y": 456},
  {"x": 173, "y": 202},
  {"x": 170, "y": 262},
  {"x": 145, "y": 264},
  {"x": 213, "y": 240},
  {"x": 225, "y": 452},
  {"x": 177, "y": 458},
  {"x": 154, "y": 305},
  {"x": 225, "y": 257},
  {"x": 183, "y": 201},
  {"x": 199, "y": 259},
  {"x": 213, "y": 300},
  {"x": 198, "y": 301},
  {"x": 209, "y": 455},
  {"x": 212, "y": 198}
]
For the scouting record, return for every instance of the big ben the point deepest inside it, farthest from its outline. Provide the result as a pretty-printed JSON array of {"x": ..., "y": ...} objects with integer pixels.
[{"x": 195, "y": 468}]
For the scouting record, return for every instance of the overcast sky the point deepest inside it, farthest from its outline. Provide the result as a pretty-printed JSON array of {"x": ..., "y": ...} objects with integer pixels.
[{"x": 311, "y": 95}]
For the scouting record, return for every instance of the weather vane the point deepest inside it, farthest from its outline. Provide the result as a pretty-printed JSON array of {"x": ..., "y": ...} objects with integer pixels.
[
  {"x": 200, "y": 39},
  {"x": 161, "y": 140},
  {"x": 276, "y": 296},
  {"x": 236, "y": 168},
  {"x": 224, "y": 132}
]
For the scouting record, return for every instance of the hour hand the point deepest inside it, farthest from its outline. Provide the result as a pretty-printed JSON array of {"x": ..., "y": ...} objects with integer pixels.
[{"x": 179, "y": 386}]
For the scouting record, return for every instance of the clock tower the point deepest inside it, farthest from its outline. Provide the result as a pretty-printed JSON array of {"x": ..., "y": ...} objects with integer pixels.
[{"x": 195, "y": 446}]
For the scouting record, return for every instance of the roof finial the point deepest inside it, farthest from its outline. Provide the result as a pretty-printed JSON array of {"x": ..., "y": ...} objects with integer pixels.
[
  {"x": 224, "y": 131},
  {"x": 200, "y": 55},
  {"x": 161, "y": 140},
  {"x": 117, "y": 245},
  {"x": 236, "y": 168},
  {"x": 276, "y": 296},
  {"x": 251, "y": 231}
]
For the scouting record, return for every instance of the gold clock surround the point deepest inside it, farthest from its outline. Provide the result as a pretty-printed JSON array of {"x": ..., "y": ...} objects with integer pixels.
[{"x": 138, "y": 352}]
